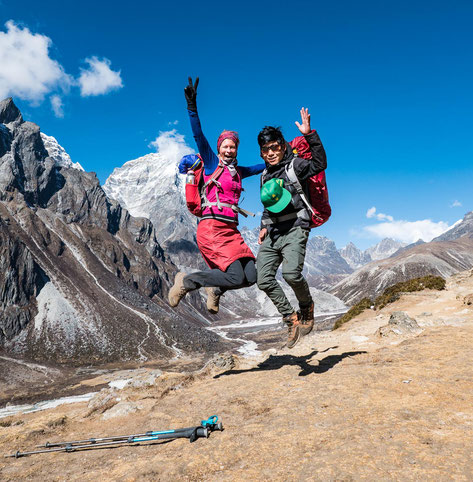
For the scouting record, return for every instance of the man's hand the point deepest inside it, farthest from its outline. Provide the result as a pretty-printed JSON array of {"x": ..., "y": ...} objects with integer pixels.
[
  {"x": 190, "y": 91},
  {"x": 262, "y": 235},
  {"x": 305, "y": 126}
]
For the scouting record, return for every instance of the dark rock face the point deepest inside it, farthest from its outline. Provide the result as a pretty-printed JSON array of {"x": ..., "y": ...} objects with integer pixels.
[
  {"x": 9, "y": 112},
  {"x": 81, "y": 280}
]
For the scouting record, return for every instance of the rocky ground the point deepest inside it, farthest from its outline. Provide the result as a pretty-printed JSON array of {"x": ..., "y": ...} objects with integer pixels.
[{"x": 373, "y": 401}]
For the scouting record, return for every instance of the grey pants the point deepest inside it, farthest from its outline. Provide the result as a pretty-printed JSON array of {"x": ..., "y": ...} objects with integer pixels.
[
  {"x": 240, "y": 274},
  {"x": 289, "y": 249}
]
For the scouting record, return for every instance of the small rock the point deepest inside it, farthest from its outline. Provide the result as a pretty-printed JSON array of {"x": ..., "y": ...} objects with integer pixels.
[
  {"x": 426, "y": 313},
  {"x": 399, "y": 324},
  {"x": 103, "y": 401},
  {"x": 468, "y": 299},
  {"x": 120, "y": 410},
  {"x": 222, "y": 361},
  {"x": 146, "y": 380}
]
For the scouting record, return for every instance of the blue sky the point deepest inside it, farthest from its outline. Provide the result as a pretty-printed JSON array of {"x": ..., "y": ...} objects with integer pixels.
[{"x": 388, "y": 85}]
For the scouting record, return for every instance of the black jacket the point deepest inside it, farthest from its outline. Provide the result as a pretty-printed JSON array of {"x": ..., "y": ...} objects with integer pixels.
[{"x": 304, "y": 169}]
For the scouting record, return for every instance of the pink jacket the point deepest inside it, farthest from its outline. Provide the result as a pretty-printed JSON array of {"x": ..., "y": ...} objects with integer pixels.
[{"x": 225, "y": 191}]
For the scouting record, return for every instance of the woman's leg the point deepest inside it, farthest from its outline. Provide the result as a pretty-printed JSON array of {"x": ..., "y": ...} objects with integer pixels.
[
  {"x": 241, "y": 273},
  {"x": 233, "y": 277}
]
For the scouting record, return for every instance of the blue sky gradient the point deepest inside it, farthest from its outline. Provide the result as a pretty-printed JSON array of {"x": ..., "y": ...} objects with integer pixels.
[{"x": 388, "y": 84}]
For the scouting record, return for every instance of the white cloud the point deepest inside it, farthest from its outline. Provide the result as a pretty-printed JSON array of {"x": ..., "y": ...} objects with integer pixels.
[
  {"x": 26, "y": 69},
  {"x": 371, "y": 213},
  {"x": 171, "y": 145},
  {"x": 173, "y": 123},
  {"x": 98, "y": 78},
  {"x": 57, "y": 106},
  {"x": 407, "y": 231},
  {"x": 456, "y": 204}
]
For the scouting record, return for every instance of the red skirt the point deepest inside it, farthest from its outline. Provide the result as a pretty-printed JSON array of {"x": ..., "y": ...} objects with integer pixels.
[{"x": 221, "y": 243}]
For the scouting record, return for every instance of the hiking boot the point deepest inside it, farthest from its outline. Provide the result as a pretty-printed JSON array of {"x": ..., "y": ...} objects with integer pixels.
[
  {"x": 293, "y": 329},
  {"x": 178, "y": 290},
  {"x": 213, "y": 299},
  {"x": 306, "y": 317}
]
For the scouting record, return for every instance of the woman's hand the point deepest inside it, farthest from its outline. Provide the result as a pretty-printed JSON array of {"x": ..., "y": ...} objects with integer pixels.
[
  {"x": 190, "y": 91},
  {"x": 305, "y": 126}
]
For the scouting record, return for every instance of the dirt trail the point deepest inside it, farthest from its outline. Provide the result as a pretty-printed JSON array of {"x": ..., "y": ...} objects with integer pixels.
[{"x": 344, "y": 405}]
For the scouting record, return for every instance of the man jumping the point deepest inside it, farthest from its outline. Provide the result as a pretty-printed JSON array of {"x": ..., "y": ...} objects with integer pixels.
[{"x": 285, "y": 224}]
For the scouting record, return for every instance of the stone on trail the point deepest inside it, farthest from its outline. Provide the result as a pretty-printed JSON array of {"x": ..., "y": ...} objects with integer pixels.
[{"x": 400, "y": 323}]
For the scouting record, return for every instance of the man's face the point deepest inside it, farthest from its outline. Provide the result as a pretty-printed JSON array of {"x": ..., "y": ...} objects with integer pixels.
[{"x": 272, "y": 152}]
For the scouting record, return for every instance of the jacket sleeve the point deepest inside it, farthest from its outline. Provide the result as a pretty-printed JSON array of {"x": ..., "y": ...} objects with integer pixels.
[
  {"x": 306, "y": 168},
  {"x": 205, "y": 151},
  {"x": 247, "y": 171},
  {"x": 264, "y": 216}
]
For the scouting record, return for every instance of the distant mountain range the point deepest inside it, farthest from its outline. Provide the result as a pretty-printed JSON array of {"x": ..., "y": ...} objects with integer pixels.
[{"x": 448, "y": 254}]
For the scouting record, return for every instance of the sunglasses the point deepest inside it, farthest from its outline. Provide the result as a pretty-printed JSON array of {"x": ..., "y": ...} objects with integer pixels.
[{"x": 272, "y": 147}]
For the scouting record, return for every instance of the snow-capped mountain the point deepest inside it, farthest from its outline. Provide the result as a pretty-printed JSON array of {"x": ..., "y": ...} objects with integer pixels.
[
  {"x": 384, "y": 249},
  {"x": 58, "y": 153},
  {"x": 459, "y": 229},
  {"x": 357, "y": 258},
  {"x": 152, "y": 187},
  {"x": 353, "y": 256}
]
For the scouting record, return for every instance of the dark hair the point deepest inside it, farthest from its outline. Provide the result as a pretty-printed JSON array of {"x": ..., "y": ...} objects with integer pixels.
[{"x": 269, "y": 134}]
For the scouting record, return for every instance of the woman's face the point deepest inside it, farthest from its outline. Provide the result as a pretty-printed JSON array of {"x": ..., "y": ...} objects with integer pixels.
[{"x": 228, "y": 149}]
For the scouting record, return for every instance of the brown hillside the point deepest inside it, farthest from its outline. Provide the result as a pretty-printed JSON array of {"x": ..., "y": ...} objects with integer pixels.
[{"x": 343, "y": 405}]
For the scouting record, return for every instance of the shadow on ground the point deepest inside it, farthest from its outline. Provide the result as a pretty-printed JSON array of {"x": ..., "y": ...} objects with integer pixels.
[{"x": 275, "y": 362}]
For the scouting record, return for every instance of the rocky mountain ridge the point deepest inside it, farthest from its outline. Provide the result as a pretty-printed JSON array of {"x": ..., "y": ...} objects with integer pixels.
[{"x": 80, "y": 279}]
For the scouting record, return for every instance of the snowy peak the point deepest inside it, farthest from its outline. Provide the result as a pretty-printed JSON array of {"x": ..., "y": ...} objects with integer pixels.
[
  {"x": 58, "y": 153},
  {"x": 152, "y": 187},
  {"x": 459, "y": 229},
  {"x": 384, "y": 249},
  {"x": 354, "y": 256}
]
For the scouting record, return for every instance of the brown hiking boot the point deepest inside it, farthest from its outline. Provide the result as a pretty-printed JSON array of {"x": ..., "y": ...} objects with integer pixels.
[
  {"x": 213, "y": 300},
  {"x": 293, "y": 329},
  {"x": 178, "y": 291},
  {"x": 306, "y": 317}
]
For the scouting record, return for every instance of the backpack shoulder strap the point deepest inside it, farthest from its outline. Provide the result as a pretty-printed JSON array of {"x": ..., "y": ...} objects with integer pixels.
[
  {"x": 292, "y": 176},
  {"x": 263, "y": 174}
]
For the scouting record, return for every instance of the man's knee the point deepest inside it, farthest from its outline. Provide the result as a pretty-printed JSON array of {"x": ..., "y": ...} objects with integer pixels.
[
  {"x": 292, "y": 276},
  {"x": 264, "y": 281}
]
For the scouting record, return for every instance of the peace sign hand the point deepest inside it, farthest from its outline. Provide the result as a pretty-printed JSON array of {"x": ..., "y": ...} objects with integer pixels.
[
  {"x": 305, "y": 118},
  {"x": 190, "y": 91}
]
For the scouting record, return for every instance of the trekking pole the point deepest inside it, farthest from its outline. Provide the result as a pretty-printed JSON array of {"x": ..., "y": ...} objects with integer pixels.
[
  {"x": 124, "y": 438},
  {"x": 211, "y": 424},
  {"x": 192, "y": 433}
]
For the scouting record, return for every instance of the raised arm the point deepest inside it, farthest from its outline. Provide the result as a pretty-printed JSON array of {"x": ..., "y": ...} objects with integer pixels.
[
  {"x": 208, "y": 156},
  {"x": 247, "y": 171},
  {"x": 306, "y": 168}
]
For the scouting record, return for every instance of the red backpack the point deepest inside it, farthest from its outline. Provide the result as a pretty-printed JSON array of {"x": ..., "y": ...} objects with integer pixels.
[
  {"x": 195, "y": 189},
  {"x": 318, "y": 203}
]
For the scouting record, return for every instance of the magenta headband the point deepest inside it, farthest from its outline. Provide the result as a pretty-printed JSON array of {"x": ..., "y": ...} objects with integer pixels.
[{"x": 232, "y": 135}]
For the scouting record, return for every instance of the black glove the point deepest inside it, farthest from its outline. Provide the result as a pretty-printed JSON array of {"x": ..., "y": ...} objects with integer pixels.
[{"x": 190, "y": 91}]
